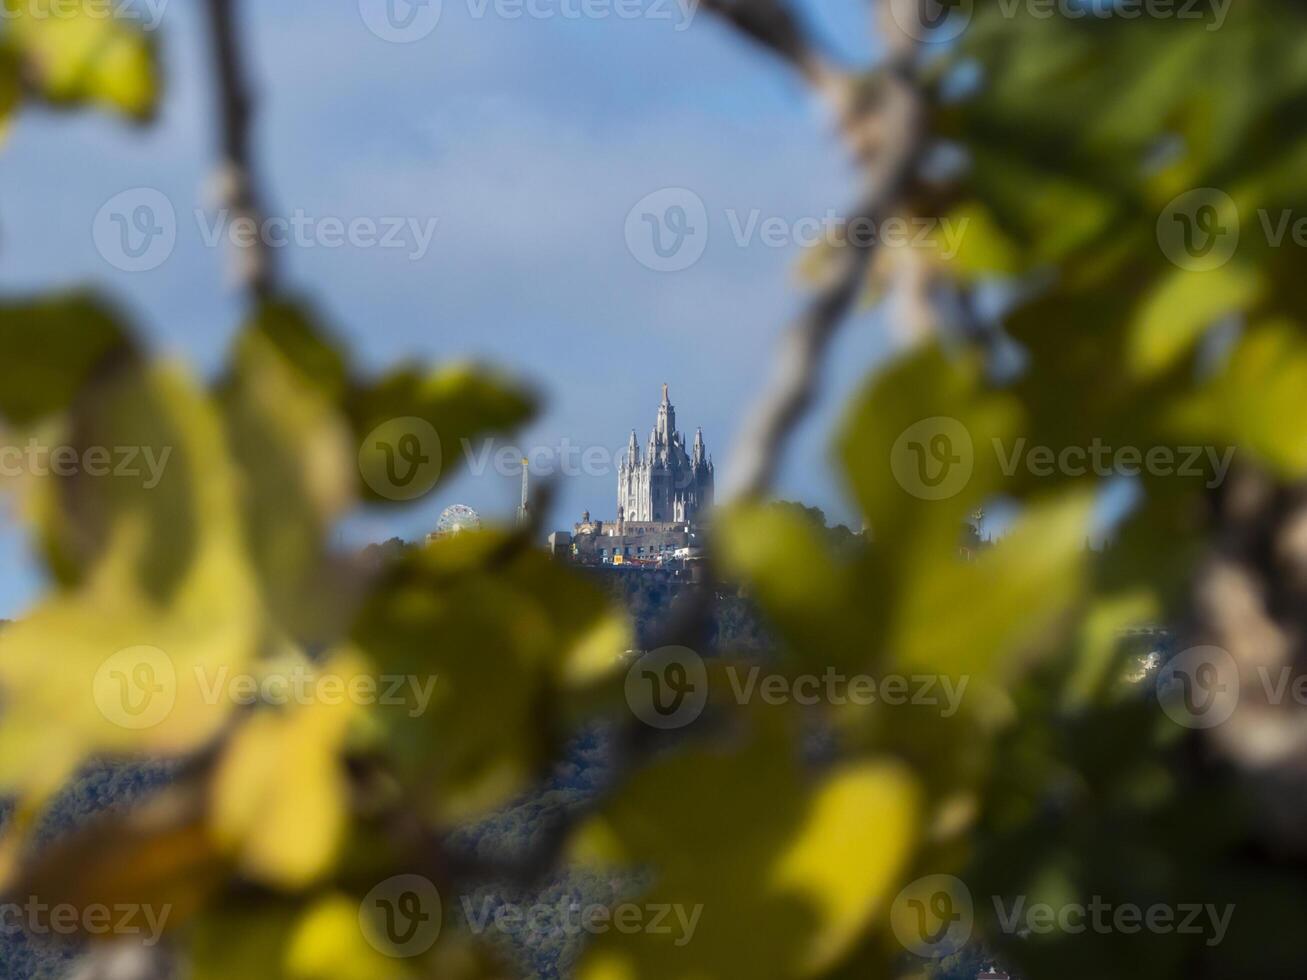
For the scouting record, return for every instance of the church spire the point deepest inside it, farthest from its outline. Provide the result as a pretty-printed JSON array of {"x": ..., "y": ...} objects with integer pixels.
[{"x": 665, "y": 427}]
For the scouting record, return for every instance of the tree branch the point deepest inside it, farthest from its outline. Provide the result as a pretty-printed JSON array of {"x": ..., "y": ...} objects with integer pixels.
[
  {"x": 237, "y": 186},
  {"x": 898, "y": 144}
]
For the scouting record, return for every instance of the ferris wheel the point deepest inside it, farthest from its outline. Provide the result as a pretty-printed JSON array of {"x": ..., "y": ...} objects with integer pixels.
[{"x": 456, "y": 518}]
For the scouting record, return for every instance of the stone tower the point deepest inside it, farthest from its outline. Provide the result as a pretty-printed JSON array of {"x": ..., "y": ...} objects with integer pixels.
[{"x": 666, "y": 484}]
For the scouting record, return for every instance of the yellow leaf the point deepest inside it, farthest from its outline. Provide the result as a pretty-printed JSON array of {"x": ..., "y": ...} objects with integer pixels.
[
  {"x": 76, "y": 53},
  {"x": 279, "y": 792},
  {"x": 778, "y": 879},
  {"x": 835, "y": 837},
  {"x": 327, "y": 944},
  {"x": 158, "y": 595}
]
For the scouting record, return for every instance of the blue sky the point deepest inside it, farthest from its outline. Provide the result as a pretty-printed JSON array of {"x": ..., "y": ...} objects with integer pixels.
[{"x": 528, "y": 140}]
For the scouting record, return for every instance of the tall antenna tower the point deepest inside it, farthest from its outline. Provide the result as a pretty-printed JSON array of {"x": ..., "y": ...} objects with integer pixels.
[{"x": 524, "y": 509}]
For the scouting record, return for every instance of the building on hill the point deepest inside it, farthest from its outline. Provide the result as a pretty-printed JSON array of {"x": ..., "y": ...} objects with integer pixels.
[
  {"x": 663, "y": 499},
  {"x": 667, "y": 485}
]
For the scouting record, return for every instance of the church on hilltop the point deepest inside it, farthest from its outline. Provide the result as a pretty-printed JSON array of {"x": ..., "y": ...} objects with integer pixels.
[
  {"x": 663, "y": 498},
  {"x": 667, "y": 484}
]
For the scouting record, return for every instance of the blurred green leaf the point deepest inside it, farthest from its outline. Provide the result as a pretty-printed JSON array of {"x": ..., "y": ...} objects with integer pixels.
[
  {"x": 969, "y": 617},
  {"x": 460, "y": 403},
  {"x": 49, "y": 349},
  {"x": 825, "y": 613},
  {"x": 915, "y": 504},
  {"x": 291, "y": 330},
  {"x": 297, "y": 469},
  {"x": 490, "y": 636},
  {"x": 1181, "y": 307},
  {"x": 1249, "y": 404},
  {"x": 10, "y": 88}
]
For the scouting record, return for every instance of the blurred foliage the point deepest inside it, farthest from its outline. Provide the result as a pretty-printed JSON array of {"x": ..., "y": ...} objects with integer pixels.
[
  {"x": 74, "y": 52},
  {"x": 794, "y": 829}
]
